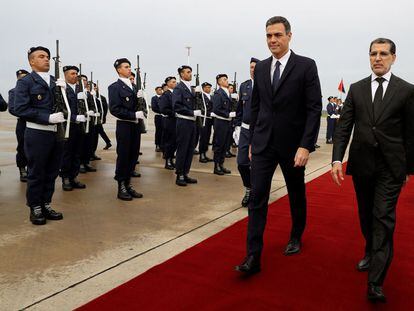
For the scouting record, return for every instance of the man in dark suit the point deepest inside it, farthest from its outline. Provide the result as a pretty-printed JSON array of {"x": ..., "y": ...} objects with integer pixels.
[
  {"x": 205, "y": 132},
  {"x": 285, "y": 117},
  {"x": 380, "y": 110},
  {"x": 157, "y": 118},
  {"x": 330, "y": 119}
]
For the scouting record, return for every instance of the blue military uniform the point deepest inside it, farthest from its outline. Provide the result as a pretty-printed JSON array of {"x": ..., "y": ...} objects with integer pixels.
[
  {"x": 183, "y": 101},
  {"x": 169, "y": 128},
  {"x": 158, "y": 122},
  {"x": 89, "y": 139},
  {"x": 205, "y": 132},
  {"x": 99, "y": 128},
  {"x": 331, "y": 123}
]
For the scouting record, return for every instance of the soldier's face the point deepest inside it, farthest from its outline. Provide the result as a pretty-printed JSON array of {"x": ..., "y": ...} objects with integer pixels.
[
  {"x": 39, "y": 61},
  {"x": 223, "y": 82},
  {"x": 252, "y": 66},
  {"x": 124, "y": 70},
  {"x": 172, "y": 84},
  {"x": 85, "y": 83},
  {"x": 277, "y": 39},
  {"x": 158, "y": 91},
  {"x": 186, "y": 74},
  {"x": 381, "y": 58},
  {"x": 132, "y": 78},
  {"x": 231, "y": 89},
  {"x": 71, "y": 76},
  {"x": 207, "y": 89}
]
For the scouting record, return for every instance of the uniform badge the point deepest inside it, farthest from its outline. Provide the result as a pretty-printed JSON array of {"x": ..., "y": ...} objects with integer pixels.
[
  {"x": 39, "y": 97},
  {"x": 127, "y": 99}
]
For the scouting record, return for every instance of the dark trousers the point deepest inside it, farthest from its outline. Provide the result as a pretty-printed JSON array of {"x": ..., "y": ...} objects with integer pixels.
[
  {"x": 89, "y": 143},
  {"x": 169, "y": 136},
  {"x": 44, "y": 155},
  {"x": 230, "y": 137},
  {"x": 197, "y": 136},
  {"x": 377, "y": 197},
  {"x": 330, "y": 129},
  {"x": 127, "y": 140},
  {"x": 72, "y": 150},
  {"x": 243, "y": 160},
  {"x": 101, "y": 131},
  {"x": 263, "y": 166},
  {"x": 205, "y": 134},
  {"x": 21, "y": 160},
  {"x": 221, "y": 133},
  {"x": 186, "y": 134},
  {"x": 158, "y": 129}
]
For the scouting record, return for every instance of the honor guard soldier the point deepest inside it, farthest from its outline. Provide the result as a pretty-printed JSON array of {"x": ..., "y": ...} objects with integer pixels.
[
  {"x": 234, "y": 103},
  {"x": 205, "y": 132},
  {"x": 157, "y": 118},
  {"x": 222, "y": 123},
  {"x": 183, "y": 100},
  {"x": 21, "y": 160},
  {"x": 241, "y": 134},
  {"x": 123, "y": 104},
  {"x": 169, "y": 123},
  {"x": 103, "y": 111},
  {"x": 72, "y": 147},
  {"x": 34, "y": 102}
]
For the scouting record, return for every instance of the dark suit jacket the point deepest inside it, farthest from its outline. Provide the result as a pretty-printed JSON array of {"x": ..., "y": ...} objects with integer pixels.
[
  {"x": 165, "y": 104},
  {"x": 221, "y": 103},
  {"x": 183, "y": 100},
  {"x": 391, "y": 132},
  {"x": 123, "y": 101},
  {"x": 290, "y": 117}
]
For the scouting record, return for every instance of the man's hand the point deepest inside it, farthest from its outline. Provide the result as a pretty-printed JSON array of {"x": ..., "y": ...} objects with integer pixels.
[
  {"x": 301, "y": 157},
  {"x": 250, "y": 152},
  {"x": 337, "y": 174}
]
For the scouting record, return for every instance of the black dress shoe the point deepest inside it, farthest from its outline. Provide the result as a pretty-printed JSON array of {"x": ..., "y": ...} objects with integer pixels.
[
  {"x": 76, "y": 184},
  {"x": 218, "y": 170},
  {"x": 132, "y": 191},
  {"x": 363, "y": 264},
  {"x": 36, "y": 216},
  {"x": 169, "y": 165},
  {"x": 196, "y": 152},
  {"x": 317, "y": 146},
  {"x": 123, "y": 193},
  {"x": 329, "y": 142},
  {"x": 23, "y": 174},
  {"x": 82, "y": 169},
  {"x": 225, "y": 170},
  {"x": 228, "y": 155},
  {"x": 249, "y": 266},
  {"x": 293, "y": 247},
  {"x": 66, "y": 184},
  {"x": 375, "y": 293},
  {"x": 180, "y": 181},
  {"x": 89, "y": 168},
  {"x": 158, "y": 149},
  {"x": 135, "y": 174},
  {"x": 137, "y": 162},
  {"x": 246, "y": 198},
  {"x": 140, "y": 153},
  {"x": 190, "y": 180},
  {"x": 51, "y": 214},
  {"x": 107, "y": 146},
  {"x": 203, "y": 158}
]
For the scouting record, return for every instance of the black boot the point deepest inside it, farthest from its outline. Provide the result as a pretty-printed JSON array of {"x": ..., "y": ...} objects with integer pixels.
[
  {"x": 228, "y": 155},
  {"x": 169, "y": 164},
  {"x": 180, "y": 181},
  {"x": 66, "y": 184},
  {"x": 246, "y": 198},
  {"x": 82, "y": 169},
  {"x": 23, "y": 174},
  {"x": 36, "y": 216},
  {"x": 123, "y": 193},
  {"x": 217, "y": 169},
  {"x": 50, "y": 213},
  {"x": 89, "y": 168},
  {"x": 190, "y": 180},
  {"x": 76, "y": 184},
  {"x": 108, "y": 145},
  {"x": 225, "y": 170},
  {"x": 132, "y": 191},
  {"x": 157, "y": 149},
  {"x": 203, "y": 158},
  {"x": 135, "y": 174}
]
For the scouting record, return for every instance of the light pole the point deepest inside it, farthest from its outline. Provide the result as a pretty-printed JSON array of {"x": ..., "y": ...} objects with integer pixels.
[{"x": 188, "y": 54}]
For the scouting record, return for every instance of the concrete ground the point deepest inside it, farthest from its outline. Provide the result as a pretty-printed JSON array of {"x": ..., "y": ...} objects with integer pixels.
[{"x": 102, "y": 241}]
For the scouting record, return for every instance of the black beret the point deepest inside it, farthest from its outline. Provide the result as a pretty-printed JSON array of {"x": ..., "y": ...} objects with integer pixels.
[
  {"x": 254, "y": 60},
  {"x": 180, "y": 69},
  {"x": 132, "y": 74},
  {"x": 66, "y": 68},
  {"x": 120, "y": 61},
  {"x": 158, "y": 87},
  {"x": 163, "y": 85},
  {"x": 21, "y": 72},
  {"x": 38, "y": 48},
  {"x": 221, "y": 75},
  {"x": 84, "y": 76},
  {"x": 330, "y": 97},
  {"x": 205, "y": 84},
  {"x": 169, "y": 79}
]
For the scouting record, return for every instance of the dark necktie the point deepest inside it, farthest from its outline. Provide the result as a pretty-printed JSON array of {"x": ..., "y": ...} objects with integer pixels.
[
  {"x": 276, "y": 76},
  {"x": 376, "y": 104}
]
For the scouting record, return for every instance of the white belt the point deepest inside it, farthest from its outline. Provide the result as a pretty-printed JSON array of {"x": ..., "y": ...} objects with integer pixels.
[
  {"x": 164, "y": 115},
  {"x": 158, "y": 114},
  {"x": 245, "y": 126},
  {"x": 191, "y": 118},
  {"x": 219, "y": 117},
  {"x": 131, "y": 121},
  {"x": 43, "y": 127}
]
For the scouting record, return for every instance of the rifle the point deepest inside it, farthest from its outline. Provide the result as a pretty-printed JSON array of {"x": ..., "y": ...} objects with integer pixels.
[
  {"x": 83, "y": 104},
  {"x": 141, "y": 106},
  {"x": 199, "y": 101},
  {"x": 234, "y": 101},
  {"x": 97, "y": 119},
  {"x": 98, "y": 94},
  {"x": 144, "y": 84},
  {"x": 61, "y": 103}
]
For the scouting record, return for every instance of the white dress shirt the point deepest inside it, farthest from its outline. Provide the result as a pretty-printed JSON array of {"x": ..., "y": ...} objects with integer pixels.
[
  {"x": 375, "y": 84},
  {"x": 283, "y": 62},
  {"x": 45, "y": 76},
  {"x": 226, "y": 90},
  {"x": 127, "y": 82},
  {"x": 188, "y": 85},
  {"x": 73, "y": 86},
  {"x": 208, "y": 95}
]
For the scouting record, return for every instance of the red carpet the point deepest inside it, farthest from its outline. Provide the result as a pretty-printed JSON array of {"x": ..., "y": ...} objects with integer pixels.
[{"x": 323, "y": 277}]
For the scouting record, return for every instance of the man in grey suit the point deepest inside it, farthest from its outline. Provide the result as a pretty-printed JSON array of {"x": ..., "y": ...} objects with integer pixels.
[{"x": 380, "y": 110}]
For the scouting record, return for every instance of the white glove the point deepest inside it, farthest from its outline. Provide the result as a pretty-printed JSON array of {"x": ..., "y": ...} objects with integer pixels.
[
  {"x": 90, "y": 113},
  {"x": 140, "y": 94},
  {"x": 197, "y": 113},
  {"x": 80, "y": 118},
  {"x": 232, "y": 114},
  {"x": 82, "y": 95},
  {"x": 139, "y": 115},
  {"x": 93, "y": 93},
  {"x": 61, "y": 83},
  {"x": 198, "y": 89},
  {"x": 236, "y": 134},
  {"x": 97, "y": 114},
  {"x": 56, "y": 118},
  {"x": 235, "y": 96}
]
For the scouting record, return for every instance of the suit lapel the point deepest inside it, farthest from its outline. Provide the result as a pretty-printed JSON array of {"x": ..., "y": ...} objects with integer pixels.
[
  {"x": 126, "y": 87},
  {"x": 40, "y": 80},
  {"x": 289, "y": 66},
  {"x": 367, "y": 93},
  {"x": 185, "y": 88},
  {"x": 391, "y": 89},
  {"x": 268, "y": 82}
]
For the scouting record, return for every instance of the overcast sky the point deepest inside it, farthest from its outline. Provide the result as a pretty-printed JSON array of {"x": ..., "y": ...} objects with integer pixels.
[{"x": 223, "y": 36}]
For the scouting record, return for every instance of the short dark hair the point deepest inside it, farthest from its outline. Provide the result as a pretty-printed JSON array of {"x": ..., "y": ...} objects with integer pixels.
[
  {"x": 384, "y": 41},
  {"x": 279, "y": 20}
]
